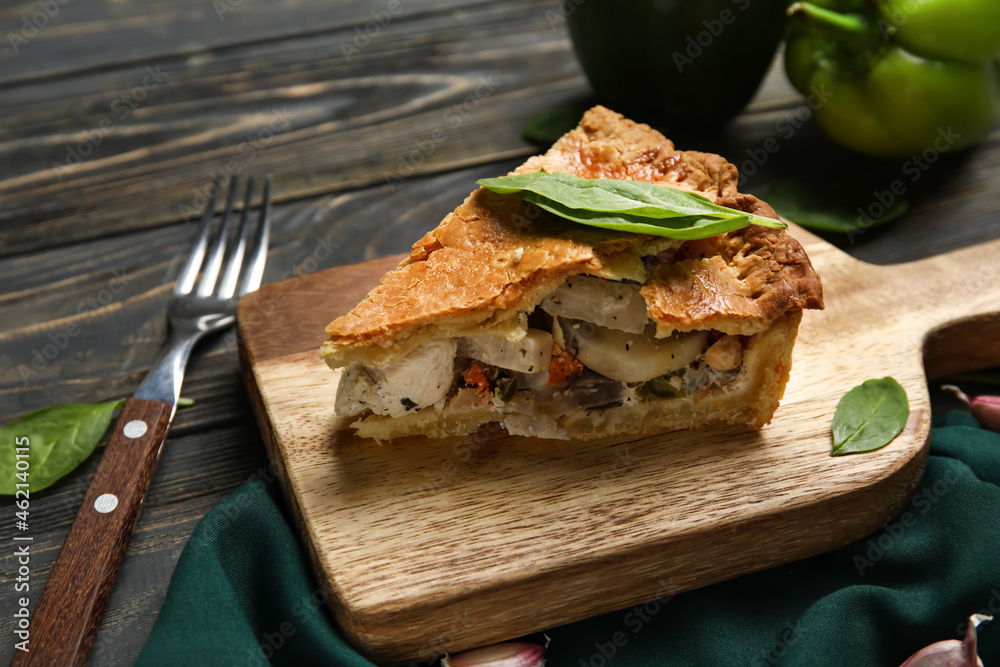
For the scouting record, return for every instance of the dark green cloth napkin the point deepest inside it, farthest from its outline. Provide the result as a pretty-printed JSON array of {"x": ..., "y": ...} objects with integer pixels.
[{"x": 242, "y": 593}]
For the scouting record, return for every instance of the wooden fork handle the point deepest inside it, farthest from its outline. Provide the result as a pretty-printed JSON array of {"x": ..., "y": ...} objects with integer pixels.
[{"x": 68, "y": 614}]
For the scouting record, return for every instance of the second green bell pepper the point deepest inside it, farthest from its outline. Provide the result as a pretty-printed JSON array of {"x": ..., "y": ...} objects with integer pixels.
[{"x": 901, "y": 76}]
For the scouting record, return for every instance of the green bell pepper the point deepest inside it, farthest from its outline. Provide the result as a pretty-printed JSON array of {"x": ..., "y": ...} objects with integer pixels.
[
  {"x": 900, "y": 76},
  {"x": 687, "y": 65}
]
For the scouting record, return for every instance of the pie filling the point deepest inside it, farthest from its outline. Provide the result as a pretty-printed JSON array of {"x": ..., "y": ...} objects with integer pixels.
[{"x": 590, "y": 346}]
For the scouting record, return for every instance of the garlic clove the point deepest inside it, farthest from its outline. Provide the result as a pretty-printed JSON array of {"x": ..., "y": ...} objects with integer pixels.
[
  {"x": 952, "y": 652},
  {"x": 986, "y": 410},
  {"x": 511, "y": 654},
  {"x": 959, "y": 394}
]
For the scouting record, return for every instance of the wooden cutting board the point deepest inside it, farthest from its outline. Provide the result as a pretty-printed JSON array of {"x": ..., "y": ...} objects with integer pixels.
[{"x": 425, "y": 546}]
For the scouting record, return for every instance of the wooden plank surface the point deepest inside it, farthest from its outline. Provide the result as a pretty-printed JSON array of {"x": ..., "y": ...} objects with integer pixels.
[
  {"x": 61, "y": 241},
  {"x": 525, "y": 534},
  {"x": 294, "y": 107},
  {"x": 68, "y": 38}
]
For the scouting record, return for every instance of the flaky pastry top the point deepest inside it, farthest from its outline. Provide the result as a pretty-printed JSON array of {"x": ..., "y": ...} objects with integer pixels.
[{"x": 495, "y": 257}]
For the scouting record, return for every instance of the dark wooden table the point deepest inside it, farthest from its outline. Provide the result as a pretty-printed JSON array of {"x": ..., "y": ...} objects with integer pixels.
[{"x": 375, "y": 117}]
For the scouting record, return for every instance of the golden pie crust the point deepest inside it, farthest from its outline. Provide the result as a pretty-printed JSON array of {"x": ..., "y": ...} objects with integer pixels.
[{"x": 494, "y": 258}]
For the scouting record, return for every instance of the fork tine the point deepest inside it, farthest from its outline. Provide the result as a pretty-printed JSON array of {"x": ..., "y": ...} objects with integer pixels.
[
  {"x": 188, "y": 273},
  {"x": 255, "y": 271},
  {"x": 213, "y": 262},
  {"x": 234, "y": 259}
]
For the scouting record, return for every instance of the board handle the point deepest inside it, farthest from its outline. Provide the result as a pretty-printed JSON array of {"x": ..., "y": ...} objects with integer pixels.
[
  {"x": 68, "y": 614},
  {"x": 951, "y": 301},
  {"x": 958, "y": 296},
  {"x": 957, "y": 285}
]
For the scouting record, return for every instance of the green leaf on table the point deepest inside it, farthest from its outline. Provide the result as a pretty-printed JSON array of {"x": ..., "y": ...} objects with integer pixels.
[
  {"x": 632, "y": 206},
  {"x": 546, "y": 127},
  {"x": 869, "y": 416},
  {"x": 56, "y": 440},
  {"x": 822, "y": 213}
]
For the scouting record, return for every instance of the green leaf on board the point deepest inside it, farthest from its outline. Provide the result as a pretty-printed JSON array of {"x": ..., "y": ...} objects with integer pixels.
[
  {"x": 56, "y": 440},
  {"x": 632, "y": 206},
  {"x": 869, "y": 416},
  {"x": 682, "y": 227},
  {"x": 821, "y": 213}
]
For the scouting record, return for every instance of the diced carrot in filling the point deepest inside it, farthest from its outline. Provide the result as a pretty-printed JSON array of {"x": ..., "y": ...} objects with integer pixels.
[
  {"x": 475, "y": 377},
  {"x": 562, "y": 366}
]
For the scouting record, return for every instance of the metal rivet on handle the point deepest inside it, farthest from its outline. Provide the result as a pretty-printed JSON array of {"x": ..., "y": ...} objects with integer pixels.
[
  {"x": 134, "y": 428},
  {"x": 106, "y": 503}
]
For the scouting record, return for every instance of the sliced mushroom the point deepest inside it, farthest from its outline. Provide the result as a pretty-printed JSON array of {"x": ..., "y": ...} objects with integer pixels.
[
  {"x": 632, "y": 357},
  {"x": 604, "y": 302}
]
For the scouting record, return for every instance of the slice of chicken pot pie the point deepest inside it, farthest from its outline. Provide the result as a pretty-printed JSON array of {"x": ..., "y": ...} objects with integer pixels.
[{"x": 509, "y": 313}]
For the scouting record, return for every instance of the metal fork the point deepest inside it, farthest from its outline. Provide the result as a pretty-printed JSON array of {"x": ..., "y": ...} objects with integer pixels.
[{"x": 69, "y": 611}]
